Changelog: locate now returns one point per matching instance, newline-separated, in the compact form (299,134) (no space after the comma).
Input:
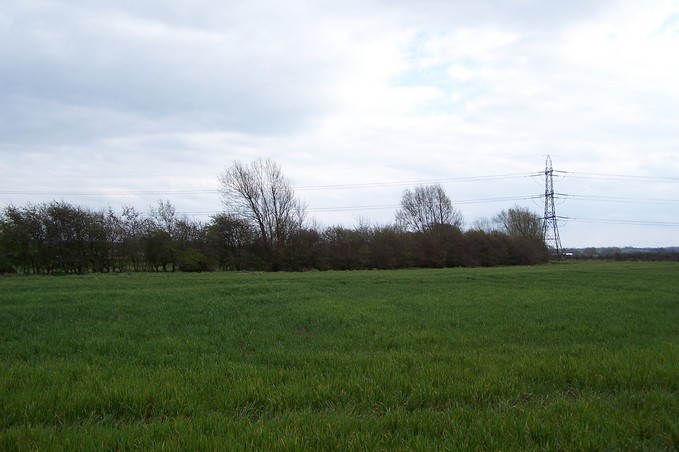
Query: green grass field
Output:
(570,356)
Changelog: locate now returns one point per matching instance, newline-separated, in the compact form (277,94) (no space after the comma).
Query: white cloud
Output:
(631,46)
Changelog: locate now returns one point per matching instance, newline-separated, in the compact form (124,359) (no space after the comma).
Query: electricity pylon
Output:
(550,228)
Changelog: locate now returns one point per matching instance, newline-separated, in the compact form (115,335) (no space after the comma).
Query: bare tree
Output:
(164,216)
(520,222)
(260,194)
(427,208)
(483,224)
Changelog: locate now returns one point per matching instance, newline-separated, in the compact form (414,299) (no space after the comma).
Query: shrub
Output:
(193,261)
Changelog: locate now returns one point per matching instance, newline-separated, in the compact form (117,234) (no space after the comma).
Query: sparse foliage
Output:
(520,222)
(425,208)
(260,194)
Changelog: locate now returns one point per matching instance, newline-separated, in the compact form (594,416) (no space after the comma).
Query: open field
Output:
(573,356)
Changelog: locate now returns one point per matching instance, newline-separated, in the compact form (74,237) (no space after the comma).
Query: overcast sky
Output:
(124,102)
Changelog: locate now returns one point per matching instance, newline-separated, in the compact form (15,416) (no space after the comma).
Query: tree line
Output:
(623,254)
(263,227)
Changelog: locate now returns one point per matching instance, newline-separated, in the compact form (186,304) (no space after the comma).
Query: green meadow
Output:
(562,356)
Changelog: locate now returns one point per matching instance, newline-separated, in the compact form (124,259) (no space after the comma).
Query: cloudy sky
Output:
(125,102)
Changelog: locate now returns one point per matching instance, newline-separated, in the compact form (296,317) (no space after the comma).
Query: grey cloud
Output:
(252,76)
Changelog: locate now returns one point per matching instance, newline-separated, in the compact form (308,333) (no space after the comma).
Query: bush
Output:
(194,261)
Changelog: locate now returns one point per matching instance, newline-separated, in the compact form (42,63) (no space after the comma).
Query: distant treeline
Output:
(624,254)
(58,238)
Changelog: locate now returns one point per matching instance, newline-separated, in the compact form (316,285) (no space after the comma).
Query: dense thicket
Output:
(58,237)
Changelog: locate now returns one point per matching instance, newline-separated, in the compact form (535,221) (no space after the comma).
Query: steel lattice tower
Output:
(550,228)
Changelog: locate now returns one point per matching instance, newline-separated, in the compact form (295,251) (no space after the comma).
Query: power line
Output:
(110,193)
(500,199)
(416,182)
(351,208)
(607,176)
(622,222)
(354,186)
(80,176)
(395,206)
(362,185)
(619,199)
(574,174)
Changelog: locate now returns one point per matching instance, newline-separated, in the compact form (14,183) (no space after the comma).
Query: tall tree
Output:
(260,194)
(426,208)
(520,222)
